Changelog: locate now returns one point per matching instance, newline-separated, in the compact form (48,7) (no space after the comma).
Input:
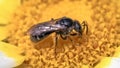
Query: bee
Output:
(62,26)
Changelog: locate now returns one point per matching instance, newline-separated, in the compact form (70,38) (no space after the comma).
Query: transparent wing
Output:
(42,30)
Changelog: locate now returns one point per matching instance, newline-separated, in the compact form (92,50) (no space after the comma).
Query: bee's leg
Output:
(64,37)
(73,44)
(56,41)
(84,23)
(52,19)
(85,26)
(74,34)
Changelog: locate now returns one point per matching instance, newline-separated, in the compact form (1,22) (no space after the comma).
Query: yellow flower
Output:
(117,53)
(98,44)
(10,55)
(6,9)
(109,62)
(3,33)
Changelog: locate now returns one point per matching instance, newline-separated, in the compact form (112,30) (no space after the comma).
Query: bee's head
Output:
(77,27)
(80,27)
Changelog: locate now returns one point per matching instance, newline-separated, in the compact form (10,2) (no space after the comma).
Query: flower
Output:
(100,42)
(10,55)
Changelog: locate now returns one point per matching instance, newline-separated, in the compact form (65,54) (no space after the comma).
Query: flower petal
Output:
(12,52)
(3,33)
(7,7)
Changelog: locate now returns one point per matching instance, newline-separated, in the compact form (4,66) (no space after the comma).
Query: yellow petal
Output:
(3,33)
(109,62)
(12,52)
(104,63)
(117,52)
(7,7)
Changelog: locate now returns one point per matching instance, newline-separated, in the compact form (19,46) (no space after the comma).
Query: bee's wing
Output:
(39,32)
(45,26)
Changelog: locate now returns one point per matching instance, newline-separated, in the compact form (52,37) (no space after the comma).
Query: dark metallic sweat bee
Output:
(62,26)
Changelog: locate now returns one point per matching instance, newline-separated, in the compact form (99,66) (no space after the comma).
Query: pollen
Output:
(102,17)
